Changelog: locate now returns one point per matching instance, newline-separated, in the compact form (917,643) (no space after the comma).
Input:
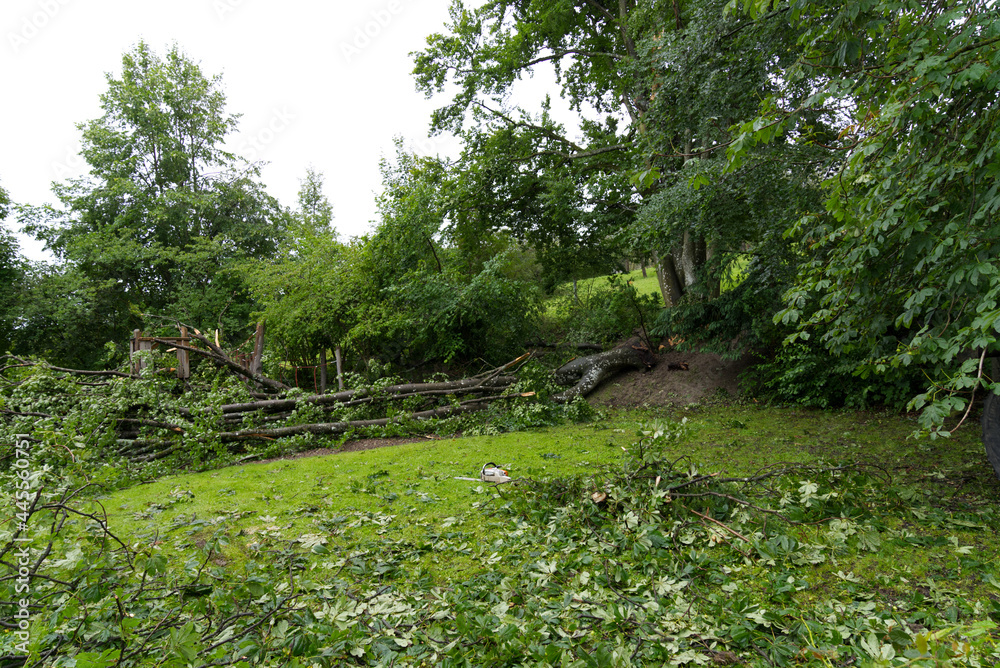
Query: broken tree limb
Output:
(149,449)
(447,387)
(219,357)
(321,428)
(78,372)
(590,371)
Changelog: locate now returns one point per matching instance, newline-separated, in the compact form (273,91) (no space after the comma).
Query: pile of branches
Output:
(470,394)
(146,433)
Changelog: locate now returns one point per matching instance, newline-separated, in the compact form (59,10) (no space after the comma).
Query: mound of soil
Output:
(678,379)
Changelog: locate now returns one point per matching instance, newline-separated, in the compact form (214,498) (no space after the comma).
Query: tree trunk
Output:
(589,372)
(671,286)
(690,259)
(257,363)
(322,371)
(338,353)
(991,422)
(716,288)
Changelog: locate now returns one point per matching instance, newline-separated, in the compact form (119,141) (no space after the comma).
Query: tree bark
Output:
(589,372)
(322,371)
(991,422)
(257,363)
(338,353)
(671,286)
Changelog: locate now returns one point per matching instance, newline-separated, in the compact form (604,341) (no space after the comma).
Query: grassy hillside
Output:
(644,286)
(747,536)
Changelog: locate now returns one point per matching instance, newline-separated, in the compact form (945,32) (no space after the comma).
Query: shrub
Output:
(604,312)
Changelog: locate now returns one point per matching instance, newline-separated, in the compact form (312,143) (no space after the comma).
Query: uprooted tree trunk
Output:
(590,371)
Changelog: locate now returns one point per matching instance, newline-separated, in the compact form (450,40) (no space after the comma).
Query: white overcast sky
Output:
(325,84)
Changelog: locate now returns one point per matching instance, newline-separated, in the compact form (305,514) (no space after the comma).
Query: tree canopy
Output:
(165,211)
(656,87)
(398,295)
(900,267)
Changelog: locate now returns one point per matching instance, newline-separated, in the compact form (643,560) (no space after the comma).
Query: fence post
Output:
(340,367)
(183,361)
(257,364)
(139,345)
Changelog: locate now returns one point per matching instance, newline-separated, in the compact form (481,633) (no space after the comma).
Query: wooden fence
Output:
(249,361)
(142,343)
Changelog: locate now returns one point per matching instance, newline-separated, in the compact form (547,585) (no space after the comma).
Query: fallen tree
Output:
(147,431)
(587,373)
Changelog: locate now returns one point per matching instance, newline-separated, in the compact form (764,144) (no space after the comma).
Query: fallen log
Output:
(586,373)
(321,428)
(465,385)
(144,450)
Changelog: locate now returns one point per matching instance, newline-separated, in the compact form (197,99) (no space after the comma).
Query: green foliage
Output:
(736,323)
(399,295)
(305,295)
(706,71)
(520,172)
(655,87)
(807,375)
(12,272)
(603,312)
(162,218)
(900,268)
(381,557)
(535,409)
(315,213)
(452,317)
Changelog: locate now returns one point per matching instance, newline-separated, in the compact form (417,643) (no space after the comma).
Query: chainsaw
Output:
(489,473)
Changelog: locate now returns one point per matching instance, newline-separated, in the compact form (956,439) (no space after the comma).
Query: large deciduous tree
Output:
(902,265)
(402,294)
(304,292)
(165,211)
(655,85)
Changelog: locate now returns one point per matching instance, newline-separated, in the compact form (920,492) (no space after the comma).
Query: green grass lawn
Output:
(643,285)
(763,536)
(409,489)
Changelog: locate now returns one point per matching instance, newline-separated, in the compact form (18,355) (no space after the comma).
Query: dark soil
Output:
(678,379)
